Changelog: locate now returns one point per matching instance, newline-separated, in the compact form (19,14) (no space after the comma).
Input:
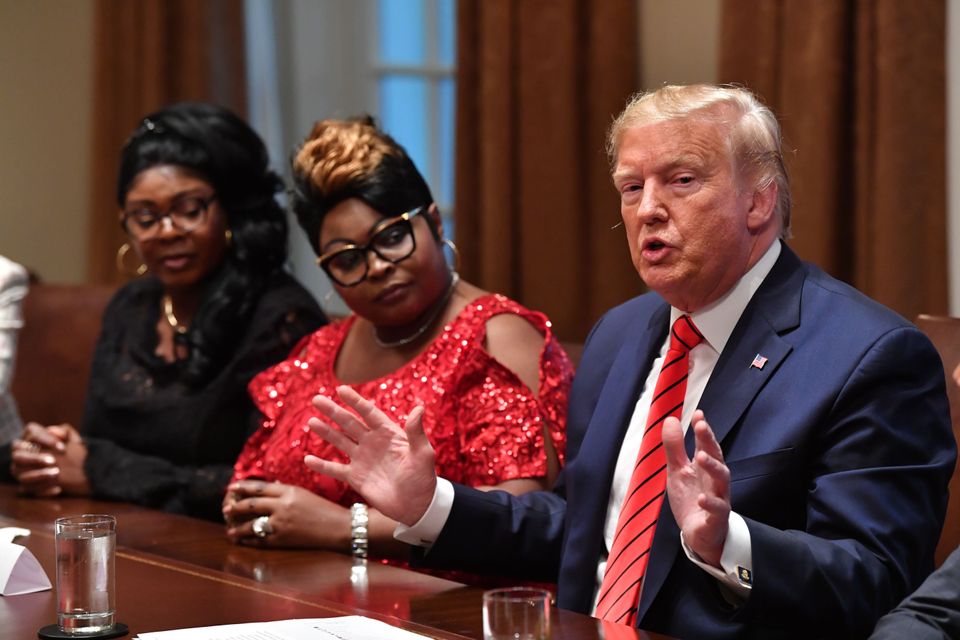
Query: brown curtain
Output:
(538,83)
(150,53)
(859,86)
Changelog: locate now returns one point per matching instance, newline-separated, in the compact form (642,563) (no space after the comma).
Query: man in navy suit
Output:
(805,462)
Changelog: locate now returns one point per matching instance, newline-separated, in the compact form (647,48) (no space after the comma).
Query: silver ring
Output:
(32,447)
(261,526)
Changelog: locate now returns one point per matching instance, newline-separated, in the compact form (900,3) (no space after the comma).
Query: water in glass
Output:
(85,574)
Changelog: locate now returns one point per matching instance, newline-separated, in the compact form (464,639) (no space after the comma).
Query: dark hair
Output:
(219,147)
(344,159)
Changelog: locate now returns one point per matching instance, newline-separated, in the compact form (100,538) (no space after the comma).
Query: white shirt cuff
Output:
(427,529)
(736,560)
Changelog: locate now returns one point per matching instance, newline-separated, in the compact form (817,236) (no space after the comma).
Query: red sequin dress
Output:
(484,423)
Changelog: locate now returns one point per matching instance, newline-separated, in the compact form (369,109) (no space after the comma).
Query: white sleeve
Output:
(426,530)
(736,560)
(13,288)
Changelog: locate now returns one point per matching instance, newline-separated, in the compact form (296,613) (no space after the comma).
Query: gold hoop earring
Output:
(228,235)
(456,252)
(121,261)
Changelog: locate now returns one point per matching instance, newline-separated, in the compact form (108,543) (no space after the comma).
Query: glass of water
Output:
(86,550)
(516,613)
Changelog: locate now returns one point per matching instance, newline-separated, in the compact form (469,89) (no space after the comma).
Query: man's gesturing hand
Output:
(698,489)
(392,468)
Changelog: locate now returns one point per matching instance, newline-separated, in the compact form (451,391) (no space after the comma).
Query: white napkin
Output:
(20,572)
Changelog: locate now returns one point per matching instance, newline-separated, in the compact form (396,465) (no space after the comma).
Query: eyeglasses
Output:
(185,214)
(392,240)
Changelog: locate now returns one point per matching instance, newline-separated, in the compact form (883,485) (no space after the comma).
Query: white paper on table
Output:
(344,628)
(20,572)
(9,534)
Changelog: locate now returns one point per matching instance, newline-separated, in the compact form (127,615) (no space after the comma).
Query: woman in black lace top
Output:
(167,409)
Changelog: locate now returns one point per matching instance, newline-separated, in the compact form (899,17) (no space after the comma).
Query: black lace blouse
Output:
(156,441)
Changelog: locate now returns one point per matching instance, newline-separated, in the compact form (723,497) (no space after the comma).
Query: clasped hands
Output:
(393,468)
(48,461)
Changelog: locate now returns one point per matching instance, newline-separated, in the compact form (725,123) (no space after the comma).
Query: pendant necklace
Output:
(179,329)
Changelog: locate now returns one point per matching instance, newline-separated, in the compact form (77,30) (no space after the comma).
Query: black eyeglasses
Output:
(186,214)
(392,240)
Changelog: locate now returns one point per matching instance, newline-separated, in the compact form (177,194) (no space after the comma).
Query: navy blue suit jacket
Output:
(840,450)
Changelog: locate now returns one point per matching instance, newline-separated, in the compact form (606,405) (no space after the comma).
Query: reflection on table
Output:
(175,572)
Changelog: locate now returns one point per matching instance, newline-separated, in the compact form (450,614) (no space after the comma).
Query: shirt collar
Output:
(716,321)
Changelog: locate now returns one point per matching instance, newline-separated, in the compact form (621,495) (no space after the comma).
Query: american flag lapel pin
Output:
(758,361)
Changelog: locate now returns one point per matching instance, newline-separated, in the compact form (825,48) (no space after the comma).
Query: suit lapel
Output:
(591,473)
(618,398)
(734,383)
(773,311)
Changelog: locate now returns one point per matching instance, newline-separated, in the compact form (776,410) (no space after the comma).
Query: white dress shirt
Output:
(716,322)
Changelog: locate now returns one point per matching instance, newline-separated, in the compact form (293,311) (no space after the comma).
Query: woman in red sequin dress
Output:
(490,375)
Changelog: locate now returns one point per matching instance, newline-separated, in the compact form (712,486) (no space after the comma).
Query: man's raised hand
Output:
(391,467)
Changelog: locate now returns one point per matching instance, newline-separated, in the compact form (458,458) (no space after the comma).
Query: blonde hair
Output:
(340,153)
(344,159)
(754,139)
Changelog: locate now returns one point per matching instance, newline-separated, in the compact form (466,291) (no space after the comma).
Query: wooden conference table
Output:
(176,572)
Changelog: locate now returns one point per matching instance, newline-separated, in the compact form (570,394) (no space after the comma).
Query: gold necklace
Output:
(172,319)
(441,305)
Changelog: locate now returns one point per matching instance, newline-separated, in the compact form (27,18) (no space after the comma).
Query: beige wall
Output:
(678,41)
(46,87)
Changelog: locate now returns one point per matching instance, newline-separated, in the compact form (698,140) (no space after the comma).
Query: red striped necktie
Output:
(630,552)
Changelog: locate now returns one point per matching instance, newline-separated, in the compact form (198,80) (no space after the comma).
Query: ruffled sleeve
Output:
(497,428)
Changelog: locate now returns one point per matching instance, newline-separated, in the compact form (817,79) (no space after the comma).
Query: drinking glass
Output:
(86,550)
(516,613)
